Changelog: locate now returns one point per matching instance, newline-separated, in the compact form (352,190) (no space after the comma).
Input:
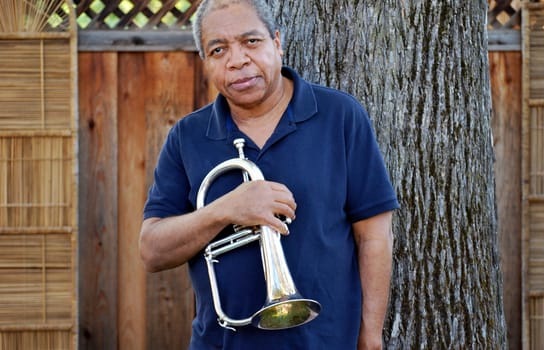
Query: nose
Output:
(238,57)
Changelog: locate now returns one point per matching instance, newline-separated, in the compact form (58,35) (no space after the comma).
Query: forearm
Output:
(375,269)
(167,243)
(170,242)
(374,242)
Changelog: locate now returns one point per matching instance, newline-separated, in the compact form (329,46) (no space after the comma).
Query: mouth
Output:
(243,83)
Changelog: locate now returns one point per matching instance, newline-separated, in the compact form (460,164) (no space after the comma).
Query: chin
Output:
(243,100)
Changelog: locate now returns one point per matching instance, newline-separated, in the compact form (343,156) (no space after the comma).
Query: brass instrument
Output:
(284,307)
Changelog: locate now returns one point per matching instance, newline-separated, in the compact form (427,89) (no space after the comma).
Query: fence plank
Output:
(126,40)
(170,86)
(505,68)
(132,194)
(98,283)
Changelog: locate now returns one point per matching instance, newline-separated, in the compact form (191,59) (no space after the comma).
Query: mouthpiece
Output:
(239,144)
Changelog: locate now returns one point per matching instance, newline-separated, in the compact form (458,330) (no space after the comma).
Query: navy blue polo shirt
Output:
(324,150)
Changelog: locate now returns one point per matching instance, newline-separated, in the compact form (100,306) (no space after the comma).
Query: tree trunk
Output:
(420,67)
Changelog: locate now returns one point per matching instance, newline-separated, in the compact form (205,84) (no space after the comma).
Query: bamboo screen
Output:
(38,187)
(35,84)
(536,308)
(533,174)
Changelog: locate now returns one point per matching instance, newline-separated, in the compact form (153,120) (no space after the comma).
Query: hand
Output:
(259,203)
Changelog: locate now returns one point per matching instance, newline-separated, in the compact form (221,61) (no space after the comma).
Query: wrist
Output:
(370,336)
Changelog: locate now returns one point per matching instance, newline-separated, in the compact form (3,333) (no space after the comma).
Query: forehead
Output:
(230,20)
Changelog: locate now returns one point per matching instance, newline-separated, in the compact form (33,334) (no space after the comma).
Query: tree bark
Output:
(420,67)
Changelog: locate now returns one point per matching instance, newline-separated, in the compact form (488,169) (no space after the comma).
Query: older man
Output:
(323,170)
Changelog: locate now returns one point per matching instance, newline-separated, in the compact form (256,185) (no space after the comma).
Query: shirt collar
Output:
(303,106)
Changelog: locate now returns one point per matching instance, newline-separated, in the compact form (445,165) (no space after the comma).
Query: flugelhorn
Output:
(284,307)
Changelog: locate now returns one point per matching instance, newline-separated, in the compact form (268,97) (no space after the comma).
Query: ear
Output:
(277,41)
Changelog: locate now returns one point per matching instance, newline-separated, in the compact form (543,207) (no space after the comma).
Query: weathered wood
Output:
(132,194)
(123,40)
(98,249)
(421,69)
(120,305)
(182,40)
(505,73)
(504,40)
(169,97)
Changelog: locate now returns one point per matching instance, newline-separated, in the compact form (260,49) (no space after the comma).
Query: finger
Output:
(278,187)
(284,196)
(284,212)
(279,226)
(278,196)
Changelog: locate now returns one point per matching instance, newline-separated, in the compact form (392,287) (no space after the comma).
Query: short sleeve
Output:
(168,195)
(370,191)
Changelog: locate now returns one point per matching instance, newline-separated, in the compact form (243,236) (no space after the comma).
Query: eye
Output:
(253,41)
(216,51)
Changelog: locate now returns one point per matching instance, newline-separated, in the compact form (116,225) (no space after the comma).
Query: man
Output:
(323,170)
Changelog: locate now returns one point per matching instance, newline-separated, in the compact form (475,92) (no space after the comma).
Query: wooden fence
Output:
(122,126)
(505,69)
(127,100)
(127,103)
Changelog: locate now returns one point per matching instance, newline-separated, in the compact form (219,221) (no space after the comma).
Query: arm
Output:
(374,245)
(170,242)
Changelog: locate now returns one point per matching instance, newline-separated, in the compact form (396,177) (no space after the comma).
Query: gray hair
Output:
(260,6)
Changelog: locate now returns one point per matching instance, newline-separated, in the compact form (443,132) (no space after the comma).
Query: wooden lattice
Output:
(176,14)
(504,14)
(135,14)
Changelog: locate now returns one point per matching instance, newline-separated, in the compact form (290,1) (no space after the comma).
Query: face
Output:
(241,59)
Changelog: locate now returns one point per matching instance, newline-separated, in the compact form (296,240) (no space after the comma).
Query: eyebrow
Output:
(250,33)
